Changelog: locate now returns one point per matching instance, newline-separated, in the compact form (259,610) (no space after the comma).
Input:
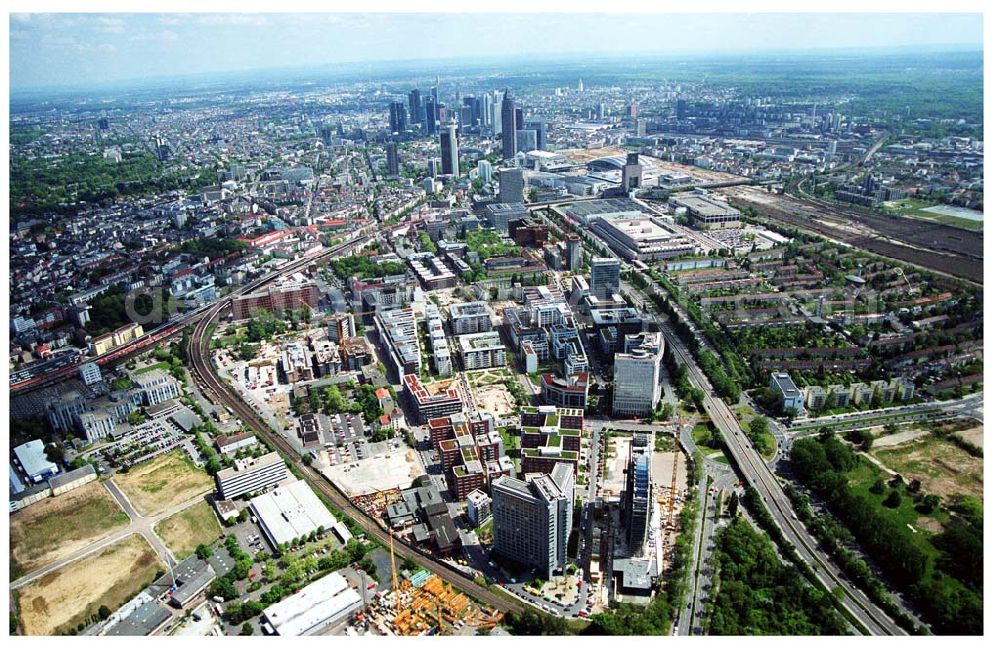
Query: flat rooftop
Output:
(290,511)
(322,602)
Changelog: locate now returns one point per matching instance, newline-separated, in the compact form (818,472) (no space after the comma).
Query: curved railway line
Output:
(214,389)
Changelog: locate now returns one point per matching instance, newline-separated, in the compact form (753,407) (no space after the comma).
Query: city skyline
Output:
(66,50)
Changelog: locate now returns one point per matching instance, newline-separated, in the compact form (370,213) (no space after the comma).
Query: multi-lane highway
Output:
(214,389)
(759,476)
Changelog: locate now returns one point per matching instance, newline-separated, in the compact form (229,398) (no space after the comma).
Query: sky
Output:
(49,49)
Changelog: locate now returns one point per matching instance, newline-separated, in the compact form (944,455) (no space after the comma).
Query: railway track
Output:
(214,389)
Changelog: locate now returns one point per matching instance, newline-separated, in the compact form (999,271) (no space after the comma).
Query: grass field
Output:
(942,467)
(164,366)
(56,527)
(185,530)
(861,479)
(64,598)
(745,415)
(163,482)
(915,209)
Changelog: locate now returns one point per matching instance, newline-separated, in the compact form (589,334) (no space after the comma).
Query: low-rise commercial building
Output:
(289,512)
(250,475)
(791,396)
(319,605)
(707,213)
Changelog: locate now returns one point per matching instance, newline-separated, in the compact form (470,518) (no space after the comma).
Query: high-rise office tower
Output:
(511,185)
(601,109)
(636,503)
(518,119)
(430,116)
(574,252)
(392,158)
(449,149)
(540,128)
(633,110)
(532,519)
(475,106)
(416,107)
(605,277)
(682,109)
(526,140)
(397,117)
(485,171)
(632,173)
(637,375)
(326,133)
(579,86)
(508,123)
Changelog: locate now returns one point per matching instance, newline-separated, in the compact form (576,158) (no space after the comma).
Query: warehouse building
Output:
(706,213)
(71,480)
(289,512)
(323,603)
(643,237)
(30,458)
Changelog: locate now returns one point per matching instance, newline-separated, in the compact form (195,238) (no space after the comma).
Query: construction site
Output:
(424,605)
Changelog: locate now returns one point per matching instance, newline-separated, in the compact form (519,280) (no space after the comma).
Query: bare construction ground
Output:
(396,468)
(185,530)
(618,447)
(495,399)
(49,530)
(663,469)
(899,438)
(163,483)
(942,467)
(64,598)
(974,436)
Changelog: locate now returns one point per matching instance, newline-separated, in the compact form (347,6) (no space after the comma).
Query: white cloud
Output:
(163,36)
(108,25)
(234,19)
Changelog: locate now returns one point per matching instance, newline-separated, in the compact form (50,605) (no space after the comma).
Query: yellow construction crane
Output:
(673,486)
(392,550)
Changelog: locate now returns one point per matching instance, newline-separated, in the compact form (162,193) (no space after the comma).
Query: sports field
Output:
(51,529)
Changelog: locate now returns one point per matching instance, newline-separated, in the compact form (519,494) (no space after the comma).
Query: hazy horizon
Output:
(68,51)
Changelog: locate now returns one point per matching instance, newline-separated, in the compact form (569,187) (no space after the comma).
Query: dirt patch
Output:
(900,438)
(663,469)
(163,483)
(930,524)
(77,590)
(495,399)
(942,468)
(54,528)
(974,436)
